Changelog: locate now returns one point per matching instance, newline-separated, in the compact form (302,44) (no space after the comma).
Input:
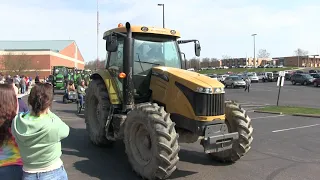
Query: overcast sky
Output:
(224,27)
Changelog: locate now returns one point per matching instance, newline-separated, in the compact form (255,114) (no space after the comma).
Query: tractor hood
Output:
(193,80)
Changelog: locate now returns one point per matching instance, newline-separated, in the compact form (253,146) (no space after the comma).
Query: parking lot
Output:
(284,147)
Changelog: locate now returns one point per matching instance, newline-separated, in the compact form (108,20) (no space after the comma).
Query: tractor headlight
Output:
(219,90)
(204,90)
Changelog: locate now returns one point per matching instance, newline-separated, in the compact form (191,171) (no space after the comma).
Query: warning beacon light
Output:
(120,25)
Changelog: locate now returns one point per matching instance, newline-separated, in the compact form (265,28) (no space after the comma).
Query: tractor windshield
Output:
(151,51)
(60,70)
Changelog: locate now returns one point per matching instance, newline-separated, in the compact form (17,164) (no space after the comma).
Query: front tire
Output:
(305,83)
(315,84)
(151,141)
(237,121)
(96,112)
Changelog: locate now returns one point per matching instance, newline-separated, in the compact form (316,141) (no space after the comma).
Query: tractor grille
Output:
(59,79)
(208,104)
(204,104)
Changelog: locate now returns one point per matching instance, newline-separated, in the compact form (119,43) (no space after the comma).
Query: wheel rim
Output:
(141,144)
(232,85)
(315,84)
(305,83)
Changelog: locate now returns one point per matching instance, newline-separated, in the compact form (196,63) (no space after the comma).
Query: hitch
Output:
(217,138)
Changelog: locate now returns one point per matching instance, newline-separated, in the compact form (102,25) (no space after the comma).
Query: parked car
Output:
(316,82)
(315,75)
(313,71)
(288,76)
(267,77)
(304,79)
(254,78)
(234,81)
(221,78)
(213,76)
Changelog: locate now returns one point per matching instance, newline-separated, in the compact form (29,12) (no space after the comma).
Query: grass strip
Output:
(291,110)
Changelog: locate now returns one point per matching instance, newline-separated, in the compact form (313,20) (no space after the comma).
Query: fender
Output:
(110,85)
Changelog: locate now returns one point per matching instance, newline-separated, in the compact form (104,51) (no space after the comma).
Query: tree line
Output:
(198,63)
(16,64)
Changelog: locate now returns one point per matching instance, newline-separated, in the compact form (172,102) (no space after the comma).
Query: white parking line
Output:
(263,117)
(253,105)
(301,127)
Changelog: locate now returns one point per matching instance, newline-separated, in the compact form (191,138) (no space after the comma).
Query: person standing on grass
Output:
(248,84)
(38,134)
(10,158)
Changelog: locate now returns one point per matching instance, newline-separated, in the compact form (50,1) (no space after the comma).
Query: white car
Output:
(221,78)
(253,78)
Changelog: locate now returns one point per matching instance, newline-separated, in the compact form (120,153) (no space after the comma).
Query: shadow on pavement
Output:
(195,157)
(112,163)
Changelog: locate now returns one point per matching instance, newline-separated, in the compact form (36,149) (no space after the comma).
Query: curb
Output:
(307,115)
(268,112)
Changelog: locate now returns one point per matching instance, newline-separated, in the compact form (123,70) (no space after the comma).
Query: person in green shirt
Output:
(38,134)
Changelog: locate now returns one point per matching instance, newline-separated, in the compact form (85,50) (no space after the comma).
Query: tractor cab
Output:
(142,49)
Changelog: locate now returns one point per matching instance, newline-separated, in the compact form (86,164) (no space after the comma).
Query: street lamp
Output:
(254,49)
(162,14)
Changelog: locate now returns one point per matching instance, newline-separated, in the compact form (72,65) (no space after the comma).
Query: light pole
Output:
(162,14)
(254,49)
(98,23)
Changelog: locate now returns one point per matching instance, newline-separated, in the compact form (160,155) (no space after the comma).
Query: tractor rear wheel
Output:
(237,121)
(96,112)
(151,141)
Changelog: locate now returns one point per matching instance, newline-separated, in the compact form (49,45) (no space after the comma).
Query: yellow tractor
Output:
(145,98)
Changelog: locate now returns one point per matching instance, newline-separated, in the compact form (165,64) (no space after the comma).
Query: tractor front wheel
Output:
(96,112)
(151,141)
(237,121)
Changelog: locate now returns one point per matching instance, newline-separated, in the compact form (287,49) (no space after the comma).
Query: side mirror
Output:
(197,48)
(111,43)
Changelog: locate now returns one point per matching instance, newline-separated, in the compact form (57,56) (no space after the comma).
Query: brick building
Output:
(299,61)
(38,57)
(238,62)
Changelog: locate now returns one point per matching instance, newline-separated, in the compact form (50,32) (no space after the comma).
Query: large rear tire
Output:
(151,141)
(96,112)
(237,121)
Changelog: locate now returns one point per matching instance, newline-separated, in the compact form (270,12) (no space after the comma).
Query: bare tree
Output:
(205,62)
(263,53)
(301,52)
(226,57)
(96,64)
(16,63)
(195,63)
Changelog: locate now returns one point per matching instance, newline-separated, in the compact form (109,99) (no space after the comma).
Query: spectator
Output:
(248,84)
(38,134)
(27,83)
(10,159)
(16,81)
(22,105)
(81,92)
(23,84)
(36,80)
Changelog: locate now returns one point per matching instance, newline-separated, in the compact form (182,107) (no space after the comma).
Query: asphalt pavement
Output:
(284,147)
(267,93)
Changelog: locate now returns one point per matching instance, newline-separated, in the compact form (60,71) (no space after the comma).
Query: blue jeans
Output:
(13,172)
(57,174)
(23,89)
(80,96)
